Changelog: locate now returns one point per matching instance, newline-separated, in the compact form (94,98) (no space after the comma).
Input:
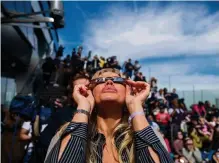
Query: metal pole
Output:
(169,83)
(202,95)
(149,73)
(193,94)
(21,14)
(29,25)
(6,90)
(28,20)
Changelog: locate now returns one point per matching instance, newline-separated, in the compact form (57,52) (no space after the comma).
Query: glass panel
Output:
(197,96)
(8,90)
(10,5)
(3,90)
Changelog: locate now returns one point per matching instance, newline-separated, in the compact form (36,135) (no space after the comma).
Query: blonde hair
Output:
(100,72)
(122,131)
(126,145)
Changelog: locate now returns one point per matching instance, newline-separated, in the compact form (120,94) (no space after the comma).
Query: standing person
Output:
(153,83)
(67,62)
(73,53)
(182,104)
(95,64)
(48,67)
(67,69)
(174,94)
(137,67)
(57,120)
(199,110)
(163,119)
(76,61)
(86,64)
(123,67)
(73,58)
(102,62)
(139,77)
(12,149)
(129,68)
(57,63)
(116,65)
(160,95)
(26,134)
(167,96)
(106,135)
(191,153)
(209,110)
(177,114)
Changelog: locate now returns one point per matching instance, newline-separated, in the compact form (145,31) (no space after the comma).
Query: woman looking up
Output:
(116,131)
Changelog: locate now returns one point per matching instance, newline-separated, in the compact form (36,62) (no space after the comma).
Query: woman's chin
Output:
(109,97)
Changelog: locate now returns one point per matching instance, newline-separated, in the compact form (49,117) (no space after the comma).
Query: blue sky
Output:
(176,41)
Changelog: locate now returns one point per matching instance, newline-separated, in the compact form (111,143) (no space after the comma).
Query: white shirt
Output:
(177,110)
(27,126)
(85,65)
(158,96)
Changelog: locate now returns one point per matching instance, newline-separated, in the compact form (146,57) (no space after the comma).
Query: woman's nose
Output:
(109,82)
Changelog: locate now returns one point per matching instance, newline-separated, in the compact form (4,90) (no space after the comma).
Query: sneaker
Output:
(55,85)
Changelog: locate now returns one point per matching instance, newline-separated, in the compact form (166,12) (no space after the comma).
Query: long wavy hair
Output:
(122,132)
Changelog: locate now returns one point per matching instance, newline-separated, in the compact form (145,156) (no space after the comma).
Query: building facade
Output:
(23,47)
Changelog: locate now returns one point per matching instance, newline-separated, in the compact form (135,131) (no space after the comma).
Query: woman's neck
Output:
(108,118)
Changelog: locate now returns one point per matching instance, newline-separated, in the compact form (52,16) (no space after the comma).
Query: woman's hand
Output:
(136,94)
(83,97)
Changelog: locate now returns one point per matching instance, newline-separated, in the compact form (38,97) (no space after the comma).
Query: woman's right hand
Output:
(83,97)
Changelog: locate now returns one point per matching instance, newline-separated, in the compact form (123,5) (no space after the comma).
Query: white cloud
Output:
(154,32)
(178,76)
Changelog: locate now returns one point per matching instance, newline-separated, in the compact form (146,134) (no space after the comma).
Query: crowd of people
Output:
(191,135)
(75,63)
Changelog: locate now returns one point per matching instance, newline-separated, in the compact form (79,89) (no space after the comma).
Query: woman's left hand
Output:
(136,94)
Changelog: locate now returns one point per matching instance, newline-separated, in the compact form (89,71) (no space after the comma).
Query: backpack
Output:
(23,106)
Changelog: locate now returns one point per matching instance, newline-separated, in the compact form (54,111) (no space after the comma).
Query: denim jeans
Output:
(27,157)
(207,155)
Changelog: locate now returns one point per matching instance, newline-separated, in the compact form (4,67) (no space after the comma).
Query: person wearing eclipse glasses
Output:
(109,124)
(191,153)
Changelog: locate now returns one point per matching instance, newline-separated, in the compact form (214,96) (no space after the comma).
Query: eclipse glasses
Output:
(101,80)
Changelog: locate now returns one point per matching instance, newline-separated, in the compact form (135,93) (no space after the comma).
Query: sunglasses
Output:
(189,144)
(118,80)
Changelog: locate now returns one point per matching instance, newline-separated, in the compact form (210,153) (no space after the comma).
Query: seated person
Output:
(203,129)
(192,153)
